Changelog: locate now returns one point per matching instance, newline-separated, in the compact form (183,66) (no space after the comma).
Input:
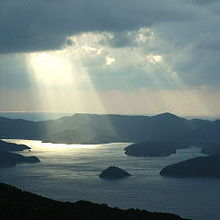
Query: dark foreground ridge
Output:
(114,173)
(197,167)
(19,205)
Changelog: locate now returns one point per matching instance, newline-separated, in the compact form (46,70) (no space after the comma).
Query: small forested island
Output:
(113,172)
(197,167)
(150,149)
(17,204)
(8,159)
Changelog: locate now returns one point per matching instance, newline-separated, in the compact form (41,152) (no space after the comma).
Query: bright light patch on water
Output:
(54,147)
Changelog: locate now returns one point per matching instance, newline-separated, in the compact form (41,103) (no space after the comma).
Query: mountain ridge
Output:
(106,128)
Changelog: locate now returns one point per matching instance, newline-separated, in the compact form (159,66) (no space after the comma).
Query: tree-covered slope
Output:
(19,205)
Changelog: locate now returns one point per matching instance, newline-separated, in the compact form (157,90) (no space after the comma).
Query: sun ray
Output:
(63,85)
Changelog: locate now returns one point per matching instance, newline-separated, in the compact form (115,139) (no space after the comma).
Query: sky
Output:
(121,57)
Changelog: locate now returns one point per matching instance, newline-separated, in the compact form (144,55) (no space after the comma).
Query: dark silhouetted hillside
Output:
(211,149)
(8,159)
(19,205)
(197,167)
(12,158)
(207,133)
(21,129)
(113,172)
(93,129)
(12,147)
(151,149)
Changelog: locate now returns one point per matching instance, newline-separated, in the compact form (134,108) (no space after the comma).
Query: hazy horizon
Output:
(38,116)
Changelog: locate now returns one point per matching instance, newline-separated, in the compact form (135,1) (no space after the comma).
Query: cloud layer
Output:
(29,25)
(113,47)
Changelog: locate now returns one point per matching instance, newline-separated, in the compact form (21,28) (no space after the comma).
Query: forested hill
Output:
(19,205)
(91,128)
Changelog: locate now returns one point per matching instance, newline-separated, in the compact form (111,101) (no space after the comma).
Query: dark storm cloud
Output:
(187,36)
(28,25)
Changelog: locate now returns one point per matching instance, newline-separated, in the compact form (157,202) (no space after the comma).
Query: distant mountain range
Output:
(94,129)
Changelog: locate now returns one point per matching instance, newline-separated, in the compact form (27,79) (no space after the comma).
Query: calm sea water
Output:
(70,173)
